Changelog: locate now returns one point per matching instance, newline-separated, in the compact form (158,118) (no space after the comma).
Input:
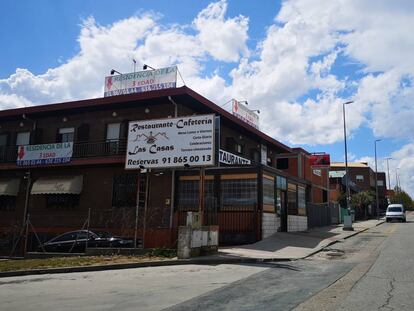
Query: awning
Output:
(337,174)
(58,185)
(9,186)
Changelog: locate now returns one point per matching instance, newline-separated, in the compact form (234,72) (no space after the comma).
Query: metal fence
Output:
(320,215)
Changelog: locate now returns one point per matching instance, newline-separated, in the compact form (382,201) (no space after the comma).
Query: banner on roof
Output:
(243,113)
(141,81)
(320,160)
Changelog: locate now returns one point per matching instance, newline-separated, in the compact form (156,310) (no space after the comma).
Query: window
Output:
(255,155)
(124,190)
(301,201)
(66,134)
(23,139)
(282,163)
(268,194)
(62,201)
(113,131)
(359,178)
(188,195)
(324,196)
(233,146)
(7,203)
(65,237)
(238,194)
(281,183)
(292,200)
(3,139)
(380,183)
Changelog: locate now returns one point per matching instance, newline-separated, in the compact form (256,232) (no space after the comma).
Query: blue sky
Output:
(295,60)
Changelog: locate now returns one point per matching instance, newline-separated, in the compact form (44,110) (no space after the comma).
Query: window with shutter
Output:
(66,134)
(113,131)
(23,139)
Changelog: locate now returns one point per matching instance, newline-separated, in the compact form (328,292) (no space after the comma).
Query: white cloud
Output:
(225,39)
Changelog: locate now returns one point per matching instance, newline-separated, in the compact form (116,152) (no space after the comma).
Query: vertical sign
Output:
(263,149)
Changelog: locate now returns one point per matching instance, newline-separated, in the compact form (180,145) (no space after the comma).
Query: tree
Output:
(361,200)
(403,198)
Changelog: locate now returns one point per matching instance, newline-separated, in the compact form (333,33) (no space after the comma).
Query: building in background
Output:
(361,178)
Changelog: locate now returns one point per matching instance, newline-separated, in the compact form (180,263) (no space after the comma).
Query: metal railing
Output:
(80,150)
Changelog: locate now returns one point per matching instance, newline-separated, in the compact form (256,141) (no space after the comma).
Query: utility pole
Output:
(376,180)
(388,170)
(347,226)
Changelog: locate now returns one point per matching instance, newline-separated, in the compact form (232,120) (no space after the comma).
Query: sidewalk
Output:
(296,245)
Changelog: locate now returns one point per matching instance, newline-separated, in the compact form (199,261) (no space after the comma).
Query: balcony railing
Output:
(80,150)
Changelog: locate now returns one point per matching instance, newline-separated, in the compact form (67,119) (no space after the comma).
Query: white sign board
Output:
(242,112)
(263,154)
(174,142)
(44,154)
(317,172)
(141,81)
(232,159)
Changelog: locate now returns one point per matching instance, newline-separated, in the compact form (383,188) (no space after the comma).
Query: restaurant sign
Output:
(44,154)
(173,142)
(232,159)
(141,81)
(243,113)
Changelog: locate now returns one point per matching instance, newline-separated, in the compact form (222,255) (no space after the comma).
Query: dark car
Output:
(75,241)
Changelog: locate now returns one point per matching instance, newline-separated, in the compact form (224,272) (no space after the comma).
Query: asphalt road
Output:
(369,271)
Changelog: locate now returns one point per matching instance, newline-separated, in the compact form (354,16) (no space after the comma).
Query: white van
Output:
(395,211)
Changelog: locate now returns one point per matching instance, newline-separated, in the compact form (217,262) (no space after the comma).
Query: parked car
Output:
(75,241)
(395,212)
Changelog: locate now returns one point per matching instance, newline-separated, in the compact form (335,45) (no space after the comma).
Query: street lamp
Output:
(376,180)
(348,194)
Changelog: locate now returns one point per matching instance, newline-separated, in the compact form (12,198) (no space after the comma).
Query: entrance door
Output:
(283,211)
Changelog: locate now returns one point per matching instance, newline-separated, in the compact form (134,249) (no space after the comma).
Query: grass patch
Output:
(65,262)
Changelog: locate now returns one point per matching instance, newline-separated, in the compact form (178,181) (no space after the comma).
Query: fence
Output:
(150,228)
(320,215)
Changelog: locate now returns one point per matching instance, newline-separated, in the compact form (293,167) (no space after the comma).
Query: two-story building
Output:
(90,188)
(361,178)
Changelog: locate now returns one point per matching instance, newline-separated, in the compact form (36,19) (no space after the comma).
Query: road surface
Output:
(370,271)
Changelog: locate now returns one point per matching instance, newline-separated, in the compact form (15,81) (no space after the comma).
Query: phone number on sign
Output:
(187,159)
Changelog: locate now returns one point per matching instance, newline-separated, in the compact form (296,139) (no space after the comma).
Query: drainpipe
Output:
(172,202)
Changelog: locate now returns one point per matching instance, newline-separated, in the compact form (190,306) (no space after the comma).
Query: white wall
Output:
(297,223)
(270,224)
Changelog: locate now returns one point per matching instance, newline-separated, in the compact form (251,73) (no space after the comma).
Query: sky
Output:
(297,61)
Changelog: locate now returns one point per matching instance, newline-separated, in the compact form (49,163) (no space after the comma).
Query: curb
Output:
(177,262)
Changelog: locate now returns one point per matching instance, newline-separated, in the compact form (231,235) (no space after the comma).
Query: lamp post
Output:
(348,194)
(376,180)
